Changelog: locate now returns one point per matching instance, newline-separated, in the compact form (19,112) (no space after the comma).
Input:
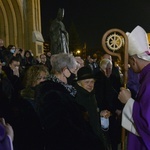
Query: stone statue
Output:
(58,35)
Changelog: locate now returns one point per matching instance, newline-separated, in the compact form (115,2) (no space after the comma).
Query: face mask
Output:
(104,123)
(12,51)
(71,78)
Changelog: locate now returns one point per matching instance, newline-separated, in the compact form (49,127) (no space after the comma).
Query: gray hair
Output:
(62,60)
(104,63)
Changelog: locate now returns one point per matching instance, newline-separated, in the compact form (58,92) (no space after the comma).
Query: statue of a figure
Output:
(58,35)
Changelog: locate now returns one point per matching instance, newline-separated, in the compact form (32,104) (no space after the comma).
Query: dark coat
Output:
(15,82)
(26,124)
(2,55)
(62,120)
(106,90)
(88,100)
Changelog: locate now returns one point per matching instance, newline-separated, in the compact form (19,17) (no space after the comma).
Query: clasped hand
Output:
(124,95)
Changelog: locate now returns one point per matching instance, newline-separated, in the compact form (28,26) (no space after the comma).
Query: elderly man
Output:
(107,98)
(136,112)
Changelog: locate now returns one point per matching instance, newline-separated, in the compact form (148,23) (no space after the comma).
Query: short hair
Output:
(42,55)
(10,46)
(13,58)
(104,63)
(62,60)
(107,56)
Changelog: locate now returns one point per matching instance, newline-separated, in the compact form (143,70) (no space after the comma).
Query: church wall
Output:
(20,24)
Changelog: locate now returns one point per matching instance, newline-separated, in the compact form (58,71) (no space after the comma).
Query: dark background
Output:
(93,18)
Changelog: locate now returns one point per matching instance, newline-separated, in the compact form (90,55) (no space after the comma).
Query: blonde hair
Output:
(32,74)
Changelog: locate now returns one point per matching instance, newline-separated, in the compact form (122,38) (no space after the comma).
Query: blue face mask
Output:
(12,51)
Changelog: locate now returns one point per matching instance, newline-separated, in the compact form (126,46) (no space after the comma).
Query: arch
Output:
(11,20)
(3,24)
(19,20)
(11,30)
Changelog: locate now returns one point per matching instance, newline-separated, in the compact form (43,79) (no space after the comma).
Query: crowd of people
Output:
(25,107)
(62,102)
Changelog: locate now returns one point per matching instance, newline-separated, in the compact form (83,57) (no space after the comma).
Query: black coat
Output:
(88,100)
(27,128)
(26,124)
(62,120)
(15,83)
(106,90)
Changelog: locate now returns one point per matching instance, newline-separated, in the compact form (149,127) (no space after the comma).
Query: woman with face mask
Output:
(60,115)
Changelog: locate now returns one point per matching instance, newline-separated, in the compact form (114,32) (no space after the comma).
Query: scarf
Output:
(68,87)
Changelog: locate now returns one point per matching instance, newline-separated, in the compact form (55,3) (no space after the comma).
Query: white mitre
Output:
(138,43)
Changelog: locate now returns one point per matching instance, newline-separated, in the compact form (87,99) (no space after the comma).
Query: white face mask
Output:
(104,122)
(12,50)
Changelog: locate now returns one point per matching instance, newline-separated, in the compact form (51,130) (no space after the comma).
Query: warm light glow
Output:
(148,35)
(78,52)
